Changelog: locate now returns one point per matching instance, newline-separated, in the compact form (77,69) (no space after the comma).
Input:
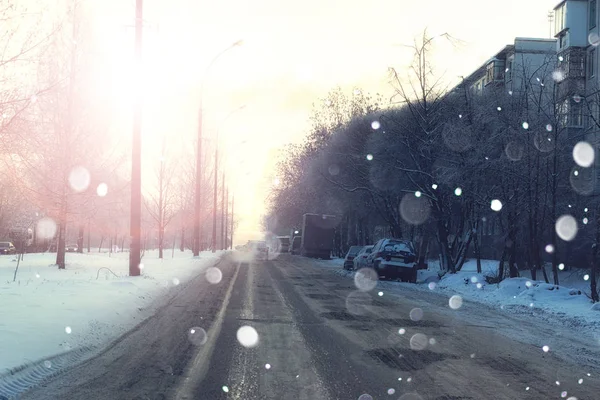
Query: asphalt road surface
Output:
(308,333)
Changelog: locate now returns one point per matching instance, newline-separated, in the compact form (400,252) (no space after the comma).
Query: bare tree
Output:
(162,202)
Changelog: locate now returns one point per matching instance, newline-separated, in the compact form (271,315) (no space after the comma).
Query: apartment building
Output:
(514,66)
(576,60)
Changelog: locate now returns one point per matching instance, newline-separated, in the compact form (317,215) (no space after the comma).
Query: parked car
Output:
(360,261)
(71,248)
(349,259)
(296,245)
(241,247)
(260,250)
(284,244)
(394,259)
(7,248)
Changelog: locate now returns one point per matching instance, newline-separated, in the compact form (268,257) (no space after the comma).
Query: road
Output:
(320,338)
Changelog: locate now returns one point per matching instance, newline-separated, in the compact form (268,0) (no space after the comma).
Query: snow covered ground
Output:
(568,302)
(46,312)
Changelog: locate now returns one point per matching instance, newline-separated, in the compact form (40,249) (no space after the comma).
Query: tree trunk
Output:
(512,268)
(348,231)
(446,263)
(88,238)
(464,250)
(62,229)
(182,244)
(100,245)
(545,274)
(593,282)
(110,246)
(501,265)
(423,247)
(173,250)
(477,248)
(595,249)
(554,196)
(161,238)
(396,230)
(80,238)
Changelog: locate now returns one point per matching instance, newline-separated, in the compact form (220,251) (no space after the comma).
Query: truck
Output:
(318,232)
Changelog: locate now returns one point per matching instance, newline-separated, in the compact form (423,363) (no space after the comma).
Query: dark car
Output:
(71,248)
(394,259)
(7,248)
(352,253)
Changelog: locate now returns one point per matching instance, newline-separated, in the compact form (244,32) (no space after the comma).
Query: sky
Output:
(293,54)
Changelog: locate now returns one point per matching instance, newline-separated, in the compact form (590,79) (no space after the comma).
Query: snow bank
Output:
(568,301)
(47,311)
(522,295)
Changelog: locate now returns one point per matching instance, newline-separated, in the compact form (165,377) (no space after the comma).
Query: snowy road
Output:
(320,338)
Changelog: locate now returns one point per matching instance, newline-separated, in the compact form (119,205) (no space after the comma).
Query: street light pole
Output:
(227,220)
(231,234)
(198,191)
(214,226)
(223,207)
(198,194)
(216,188)
(136,163)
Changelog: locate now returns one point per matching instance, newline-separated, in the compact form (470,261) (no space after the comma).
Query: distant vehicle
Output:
(394,259)
(296,245)
(318,232)
(349,259)
(21,237)
(7,248)
(71,248)
(284,244)
(360,261)
(259,249)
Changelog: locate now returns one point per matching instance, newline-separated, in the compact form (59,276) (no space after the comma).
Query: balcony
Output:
(571,62)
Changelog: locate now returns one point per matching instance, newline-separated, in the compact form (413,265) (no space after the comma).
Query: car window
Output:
(354,250)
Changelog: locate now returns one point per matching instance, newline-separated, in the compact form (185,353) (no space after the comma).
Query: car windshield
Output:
(354,250)
(398,247)
(220,168)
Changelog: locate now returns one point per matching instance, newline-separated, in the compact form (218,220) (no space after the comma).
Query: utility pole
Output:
(214,226)
(223,213)
(136,161)
(226,241)
(231,234)
(198,205)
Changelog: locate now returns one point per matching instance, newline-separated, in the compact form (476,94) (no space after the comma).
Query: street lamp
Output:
(198,194)
(214,227)
(136,155)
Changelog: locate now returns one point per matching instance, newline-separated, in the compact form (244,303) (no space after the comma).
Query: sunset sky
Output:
(293,53)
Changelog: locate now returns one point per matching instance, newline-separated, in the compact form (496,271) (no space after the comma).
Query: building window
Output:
(489,73)
(560,18)
(562,41)
(591,64)
(575,115)
(508,70)
(592,14)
